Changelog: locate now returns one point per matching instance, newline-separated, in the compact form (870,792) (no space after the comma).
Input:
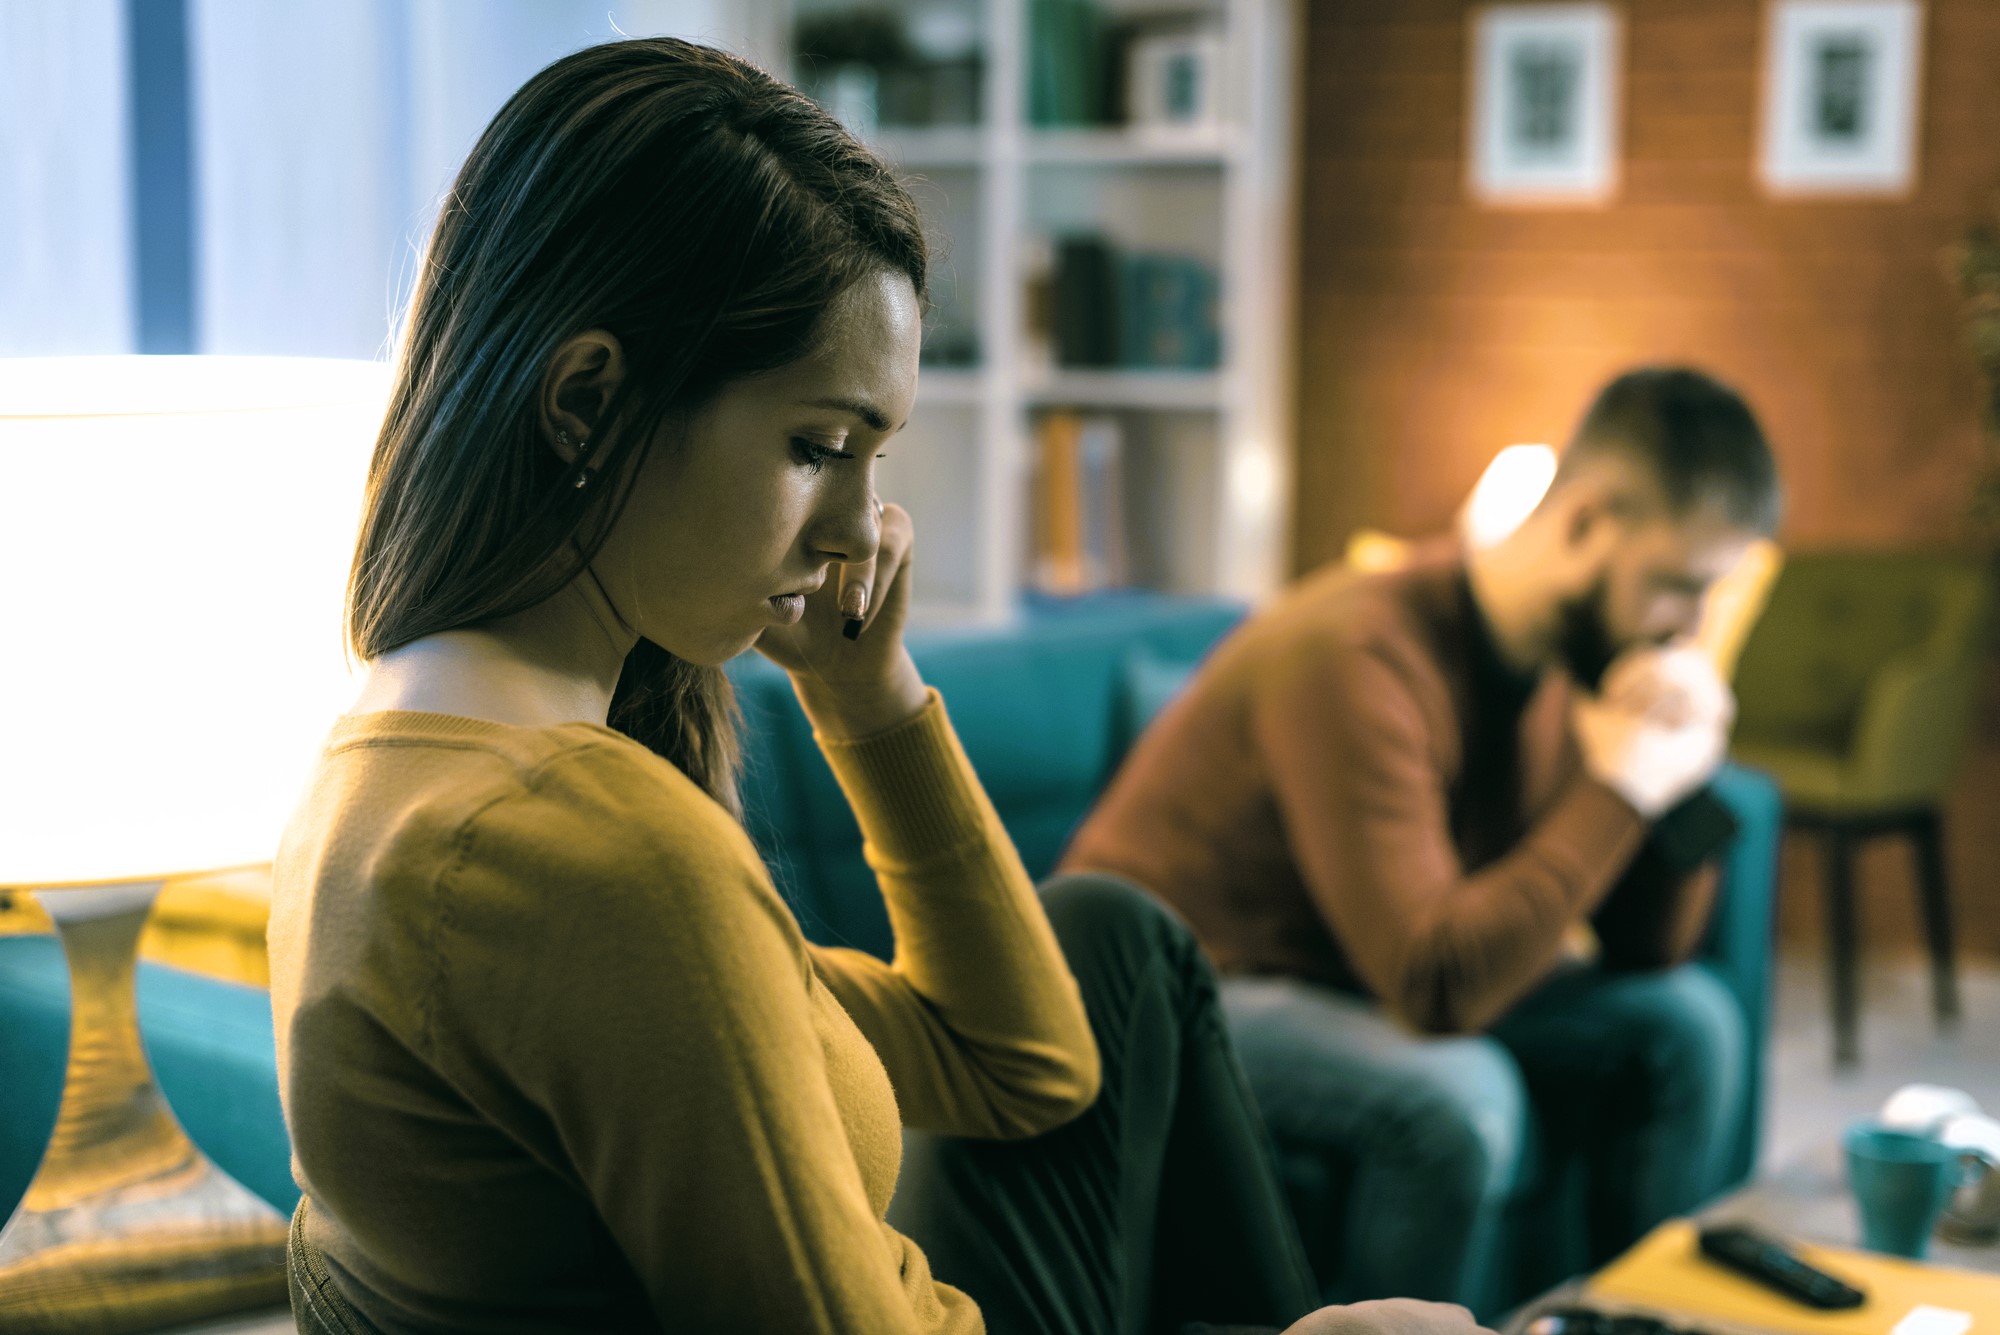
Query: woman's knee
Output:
(1123,945)
(1092,912)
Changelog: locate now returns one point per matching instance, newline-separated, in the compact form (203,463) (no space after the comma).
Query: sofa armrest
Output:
(1739,948)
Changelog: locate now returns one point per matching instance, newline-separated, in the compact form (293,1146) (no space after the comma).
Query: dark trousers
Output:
(1160,1207)
(1156,1210)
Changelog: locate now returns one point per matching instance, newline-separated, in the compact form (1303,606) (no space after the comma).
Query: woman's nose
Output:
(850,529)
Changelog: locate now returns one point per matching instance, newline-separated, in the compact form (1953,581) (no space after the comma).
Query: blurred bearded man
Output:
(1391,804)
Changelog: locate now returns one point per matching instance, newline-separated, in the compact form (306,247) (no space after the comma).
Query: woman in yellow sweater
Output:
(554,1054)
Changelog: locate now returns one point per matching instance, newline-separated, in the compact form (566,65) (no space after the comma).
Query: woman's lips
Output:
(789,607)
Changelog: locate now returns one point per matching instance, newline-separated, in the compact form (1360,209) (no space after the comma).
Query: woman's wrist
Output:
(848,709)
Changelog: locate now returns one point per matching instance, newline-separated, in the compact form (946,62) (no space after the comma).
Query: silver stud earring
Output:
(582,453)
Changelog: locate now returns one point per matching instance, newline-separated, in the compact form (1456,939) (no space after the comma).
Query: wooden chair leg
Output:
(1841,944)
(1934,890)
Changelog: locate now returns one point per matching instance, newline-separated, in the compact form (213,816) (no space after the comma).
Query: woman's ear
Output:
(581,379)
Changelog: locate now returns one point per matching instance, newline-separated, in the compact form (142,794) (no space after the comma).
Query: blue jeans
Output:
(1637,1074)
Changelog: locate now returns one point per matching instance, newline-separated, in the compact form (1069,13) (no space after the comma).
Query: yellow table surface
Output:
(1667,1273)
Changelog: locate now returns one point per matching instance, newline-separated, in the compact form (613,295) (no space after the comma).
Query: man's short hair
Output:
(1696,436)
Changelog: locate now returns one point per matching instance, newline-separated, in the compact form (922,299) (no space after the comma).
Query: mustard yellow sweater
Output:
(555,1056)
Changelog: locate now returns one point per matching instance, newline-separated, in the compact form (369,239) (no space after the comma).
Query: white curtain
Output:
(65,193)
(301,209)
(325,135)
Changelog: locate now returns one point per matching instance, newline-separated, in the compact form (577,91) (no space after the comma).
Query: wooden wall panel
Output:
(1434,331)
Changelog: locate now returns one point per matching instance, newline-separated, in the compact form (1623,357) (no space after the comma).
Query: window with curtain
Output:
(237,176)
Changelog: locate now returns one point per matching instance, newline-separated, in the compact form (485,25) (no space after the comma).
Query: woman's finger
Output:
(893,546)
(857,582)
(892,574)
(857,586)
(894,603)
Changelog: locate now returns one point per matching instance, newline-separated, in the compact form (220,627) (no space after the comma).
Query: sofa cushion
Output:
(1151,681)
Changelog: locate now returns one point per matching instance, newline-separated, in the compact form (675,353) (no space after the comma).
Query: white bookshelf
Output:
(1125,148)
(1161,390)
(1211,448)
(945,146)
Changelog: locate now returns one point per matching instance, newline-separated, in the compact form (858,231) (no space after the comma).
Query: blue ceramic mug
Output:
(1901,1182)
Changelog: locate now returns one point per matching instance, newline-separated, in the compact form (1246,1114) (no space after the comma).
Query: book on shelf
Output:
(872,68)
(1109,308)
(1084,290)
(1158,73)
(1101,464)
(1079,503)
(1169,309)
(1067,63)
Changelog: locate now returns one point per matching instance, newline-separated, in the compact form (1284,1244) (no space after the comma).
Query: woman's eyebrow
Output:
(861,408)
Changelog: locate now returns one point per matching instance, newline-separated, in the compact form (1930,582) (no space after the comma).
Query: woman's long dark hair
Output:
(686,202)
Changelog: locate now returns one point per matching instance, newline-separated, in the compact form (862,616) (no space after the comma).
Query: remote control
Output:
(1772,1264)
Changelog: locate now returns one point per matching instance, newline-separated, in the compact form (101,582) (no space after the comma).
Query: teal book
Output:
(1067,58)
(1169,316)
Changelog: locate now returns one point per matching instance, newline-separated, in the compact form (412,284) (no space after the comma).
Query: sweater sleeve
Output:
(977,1019)
(1363,798)
(671,1054)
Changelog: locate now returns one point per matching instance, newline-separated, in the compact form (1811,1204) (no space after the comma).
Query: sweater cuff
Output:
(912,788)
(1694,833)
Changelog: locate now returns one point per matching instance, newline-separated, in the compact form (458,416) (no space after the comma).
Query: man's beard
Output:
(1583,639)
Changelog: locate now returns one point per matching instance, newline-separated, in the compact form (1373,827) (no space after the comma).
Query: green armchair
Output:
(1856,692)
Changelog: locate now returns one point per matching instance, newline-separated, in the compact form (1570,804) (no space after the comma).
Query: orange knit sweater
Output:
(1354,790)
(555,1056)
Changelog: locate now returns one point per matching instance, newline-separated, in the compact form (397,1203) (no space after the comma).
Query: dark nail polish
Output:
(852,630)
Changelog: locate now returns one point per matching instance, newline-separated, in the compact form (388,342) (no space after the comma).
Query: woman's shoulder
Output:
(604,857)
(593,804)
(471,805)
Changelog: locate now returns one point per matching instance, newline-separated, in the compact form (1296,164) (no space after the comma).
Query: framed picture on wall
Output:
(1841,97)
(1545,88)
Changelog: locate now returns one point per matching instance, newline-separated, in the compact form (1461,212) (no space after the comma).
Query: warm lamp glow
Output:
(175,534)
(1508,492)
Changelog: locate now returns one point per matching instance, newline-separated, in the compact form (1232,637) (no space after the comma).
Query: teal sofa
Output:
(1046,710)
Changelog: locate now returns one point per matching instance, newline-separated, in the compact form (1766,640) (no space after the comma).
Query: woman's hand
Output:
(852,685)
(1389,1316)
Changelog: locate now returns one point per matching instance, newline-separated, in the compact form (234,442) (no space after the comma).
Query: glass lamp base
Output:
(126,1225)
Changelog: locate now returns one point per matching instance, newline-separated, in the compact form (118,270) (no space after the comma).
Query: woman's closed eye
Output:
(815,455)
